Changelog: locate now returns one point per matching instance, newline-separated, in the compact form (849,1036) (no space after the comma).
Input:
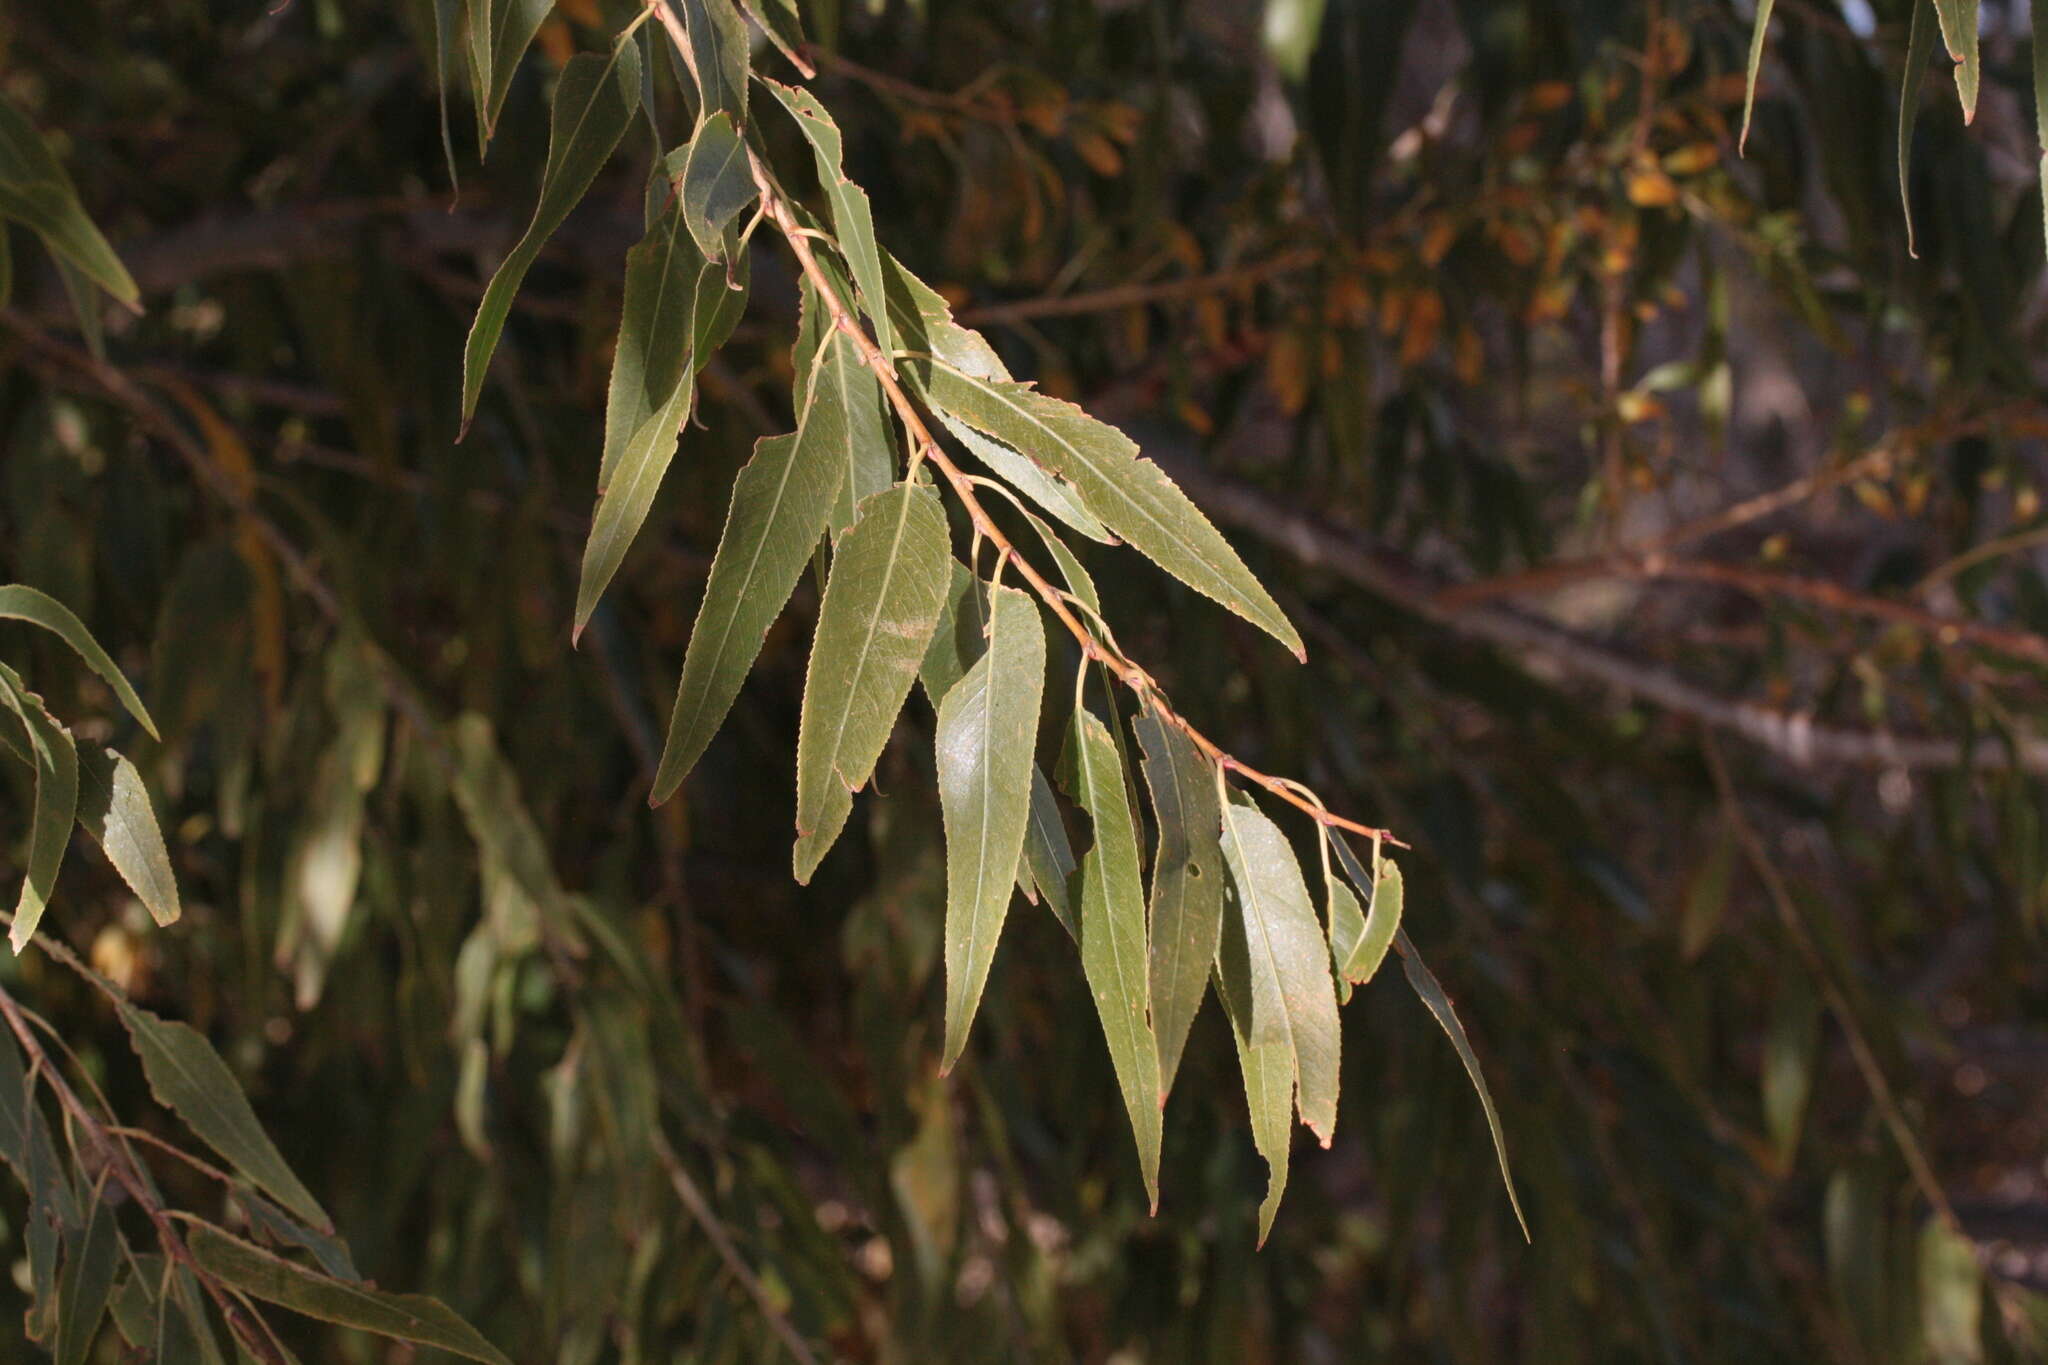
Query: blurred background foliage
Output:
(1668,542)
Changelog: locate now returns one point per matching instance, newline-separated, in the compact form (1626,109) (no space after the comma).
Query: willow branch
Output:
(925,447)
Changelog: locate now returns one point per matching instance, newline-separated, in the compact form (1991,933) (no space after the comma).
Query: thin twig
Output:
(1132,295)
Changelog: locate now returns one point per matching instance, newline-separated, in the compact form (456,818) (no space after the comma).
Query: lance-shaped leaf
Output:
(594,102)
(1757,34)
(1432,992)
(2040,43)
(881,605)
(56,803)
(500,31)
(866,449)
(988,727)
(717,55)
(1129,495)
(1293,1001)
(273,1279)
(1112,932)
(1919,47)
(784,27)
(716,185)
(852,220)
(622,508)
(1048,856)
(1268,1069)
(923,321)
(653,355)
(189,1078)
(85,1282)
(780,503)
(1023,473)
(114,808)
(1361,944)
(36,191)
(1187,882)
(1959,35)
(19,602)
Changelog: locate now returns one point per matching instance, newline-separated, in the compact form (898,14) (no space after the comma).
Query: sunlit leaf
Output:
(881,604)
(1131,496)
(717,56)
(1959,34)
(1360,953)
(1022,473)
(21,603)
(189,1078)
(852,219)
(780,502)
(1293,999)
(1187,882)
(56,803)
(36,191)
(987,730)
(273,1279)
(717,184)
(780,21)
(1112,932)
(864,447)
(85,1281)
(1432,992)
(115,809)
(1758,31)
(594,102)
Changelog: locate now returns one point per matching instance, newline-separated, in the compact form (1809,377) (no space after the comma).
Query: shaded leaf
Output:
(1359,954)
(1757,35)
(717,184)
(85,1282)
(780,502)
(654,351)
(1187,882)
(717,56)
(115,809)
(780,21)
(2039,14)
(1112,932)
(1048,856)
(21,603)
(594,102)
(1791,1050)
(1432,992)
(56,804)
(189,1078)
(36,191)
(1293,1001)
(987,730)
(500,31)
(881,605)
(1268,1069)
(273,1279)
(852,220)
(329,1250)
(1919,47)
(1131,496)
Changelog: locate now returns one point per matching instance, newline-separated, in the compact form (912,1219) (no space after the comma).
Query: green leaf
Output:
(1360,953)
(1432,992)
(780,502)
(1129,495)
(51,1203)
(1706,898)
(135,1305)
(717,56)
(85,1282)
(189,1078)
(1791,1050)
(56,804)
(988,728)
(85,304)
(960,638)
(784,27)
(864,447)
(594,103)
(717,184)
(1919,47)
(36,191)
(1959,35)
(273,1279)
(1756,60)
(21,603)
(1268,1069)
(852,219)
(115,809)
(1048,856)
(1293,1001)
(2039,14)
(1022,473)
(1187,882)
(500,31)
(653,356)
(1347,927)
(25,1141)
(329,1250)
(882,603)
(1113,932)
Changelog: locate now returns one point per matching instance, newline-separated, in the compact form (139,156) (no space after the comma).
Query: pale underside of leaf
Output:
(1187,883)
(987,730)
(1129,495)
(882,603)
(1023,473)
(1112,932)
(1293,999)
(114,808)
